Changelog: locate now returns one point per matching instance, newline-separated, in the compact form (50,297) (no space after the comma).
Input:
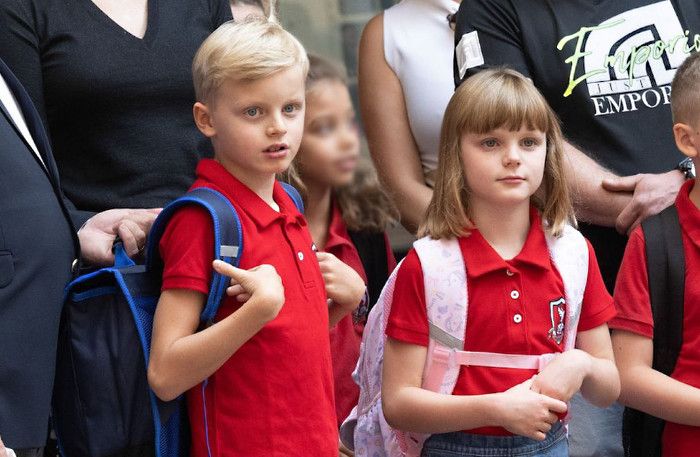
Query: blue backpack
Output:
(102,404)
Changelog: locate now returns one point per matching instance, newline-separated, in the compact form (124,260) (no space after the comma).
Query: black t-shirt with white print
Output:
(605,67)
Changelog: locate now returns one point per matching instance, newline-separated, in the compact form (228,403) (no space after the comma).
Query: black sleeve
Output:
(488,29)
(220,12)
(19,48)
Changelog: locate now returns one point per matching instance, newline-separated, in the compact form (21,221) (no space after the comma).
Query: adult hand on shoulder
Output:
(651,193)
(100,231)
(528,413)
(343,285)
(260,287)
(563,376)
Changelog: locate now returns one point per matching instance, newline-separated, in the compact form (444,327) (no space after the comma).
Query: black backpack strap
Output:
(372,248)
(228,239)
(666,279)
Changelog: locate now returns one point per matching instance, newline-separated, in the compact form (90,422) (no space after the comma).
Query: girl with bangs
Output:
(501,193)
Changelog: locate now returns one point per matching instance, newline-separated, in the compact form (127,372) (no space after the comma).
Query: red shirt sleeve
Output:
(597,307)
(408,319)
(187,250)
(632,290)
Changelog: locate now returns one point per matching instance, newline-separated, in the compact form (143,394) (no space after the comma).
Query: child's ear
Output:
(202,118)
(686,139)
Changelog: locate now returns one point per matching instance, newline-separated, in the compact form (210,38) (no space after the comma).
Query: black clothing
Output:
(118,108)
(37,248)
(622,121)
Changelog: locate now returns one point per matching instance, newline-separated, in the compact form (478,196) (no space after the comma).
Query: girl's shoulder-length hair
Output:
(491,99)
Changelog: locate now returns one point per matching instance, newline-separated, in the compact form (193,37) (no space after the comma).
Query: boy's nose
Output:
(277,127)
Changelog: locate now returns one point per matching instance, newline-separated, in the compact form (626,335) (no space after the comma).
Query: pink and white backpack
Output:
(365,430)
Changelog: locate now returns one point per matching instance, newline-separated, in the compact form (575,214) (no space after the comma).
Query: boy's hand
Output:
(343,285)
(98,233)
(563,376)
(260,287)
(528,413)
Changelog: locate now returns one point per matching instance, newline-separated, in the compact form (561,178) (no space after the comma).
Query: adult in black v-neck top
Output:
(118,108)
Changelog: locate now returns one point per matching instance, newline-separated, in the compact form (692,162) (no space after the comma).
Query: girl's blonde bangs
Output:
(503,101)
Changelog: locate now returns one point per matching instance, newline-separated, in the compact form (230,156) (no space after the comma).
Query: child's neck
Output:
(318,213)
(261,185)
(695,194)
(505,229)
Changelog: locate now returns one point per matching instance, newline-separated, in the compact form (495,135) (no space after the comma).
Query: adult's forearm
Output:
(591,201)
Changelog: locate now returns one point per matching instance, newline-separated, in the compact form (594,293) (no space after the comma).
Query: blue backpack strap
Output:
(228,239)
(294,195)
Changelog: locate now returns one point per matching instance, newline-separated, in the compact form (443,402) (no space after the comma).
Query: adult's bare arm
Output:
(391,143)
(603,198)
(592,202)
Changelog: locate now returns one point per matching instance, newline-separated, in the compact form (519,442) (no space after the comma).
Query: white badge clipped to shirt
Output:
(468,53)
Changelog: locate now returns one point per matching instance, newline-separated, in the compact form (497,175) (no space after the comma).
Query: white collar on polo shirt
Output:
(10,103)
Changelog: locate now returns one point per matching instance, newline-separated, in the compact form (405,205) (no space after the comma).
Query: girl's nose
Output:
(511,155)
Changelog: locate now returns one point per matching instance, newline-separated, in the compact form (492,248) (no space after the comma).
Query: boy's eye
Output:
(252,112)
(290,108)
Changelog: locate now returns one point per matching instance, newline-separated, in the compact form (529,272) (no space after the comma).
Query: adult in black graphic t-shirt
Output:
(605,67)
(116,98)
(578,53)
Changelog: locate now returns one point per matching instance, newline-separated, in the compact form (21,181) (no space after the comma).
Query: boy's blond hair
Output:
(492,99)
(245,51)
(685,92)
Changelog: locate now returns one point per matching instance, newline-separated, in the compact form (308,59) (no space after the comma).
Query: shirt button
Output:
(509,273)
(517,318)
(300,255)
(514,294)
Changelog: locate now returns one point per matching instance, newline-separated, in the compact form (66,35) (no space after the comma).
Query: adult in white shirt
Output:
(405,81)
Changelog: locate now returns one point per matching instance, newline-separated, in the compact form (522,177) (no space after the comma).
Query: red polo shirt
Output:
(634,312)
(508,308)
(346,336)
(274,396)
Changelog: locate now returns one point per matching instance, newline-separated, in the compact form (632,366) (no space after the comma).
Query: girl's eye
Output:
(490,143)
(530,142)
(325,128)
(252,112)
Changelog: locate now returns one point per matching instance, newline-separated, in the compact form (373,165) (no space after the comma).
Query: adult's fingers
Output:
(133,236)
(143,217)
(622,183)
(627,217)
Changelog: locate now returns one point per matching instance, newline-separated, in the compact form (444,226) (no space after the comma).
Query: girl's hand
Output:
(344,452)
(343,285)
(528,413)
(260,287)
(563,376)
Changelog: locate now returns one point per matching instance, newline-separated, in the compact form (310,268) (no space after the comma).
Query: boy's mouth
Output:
(277,147)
